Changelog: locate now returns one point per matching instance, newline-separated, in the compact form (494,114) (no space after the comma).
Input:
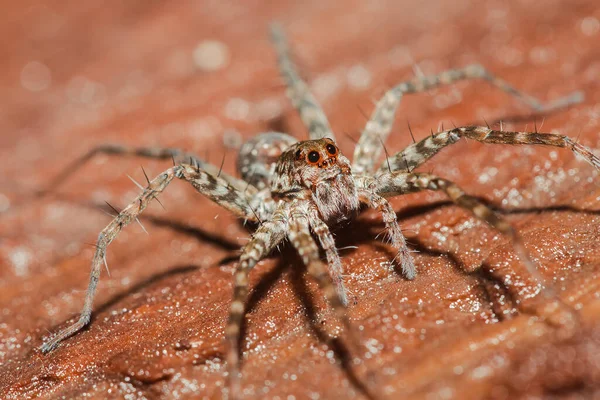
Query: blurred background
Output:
(201,76)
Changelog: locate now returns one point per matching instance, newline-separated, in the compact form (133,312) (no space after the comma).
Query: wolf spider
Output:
(297,189)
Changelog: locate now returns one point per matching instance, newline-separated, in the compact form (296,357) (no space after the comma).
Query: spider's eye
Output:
(331,149)
(313,157)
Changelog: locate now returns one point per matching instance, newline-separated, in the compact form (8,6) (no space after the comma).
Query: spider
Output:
(296,190)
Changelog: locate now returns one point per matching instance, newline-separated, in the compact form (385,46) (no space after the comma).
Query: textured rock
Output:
(141,73)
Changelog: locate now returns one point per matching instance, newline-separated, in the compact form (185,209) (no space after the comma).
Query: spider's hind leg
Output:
(553,310)
(157,153)
(308,107)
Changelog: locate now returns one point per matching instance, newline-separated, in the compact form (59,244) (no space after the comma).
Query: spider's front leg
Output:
(327,241)
(266,237)
(418,153)
(300,237)
(371,198)
(369,147)
(398,183)
(215,188)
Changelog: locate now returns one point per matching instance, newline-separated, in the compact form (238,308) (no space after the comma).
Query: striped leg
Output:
(334,262)
(301,239)
(217,189)
(417,153)
(157,153)
(266,237)
(396,183)
(369,147)
(397,239)
(310,110)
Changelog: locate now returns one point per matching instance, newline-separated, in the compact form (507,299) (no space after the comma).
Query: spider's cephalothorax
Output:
(293,190)
(317,171)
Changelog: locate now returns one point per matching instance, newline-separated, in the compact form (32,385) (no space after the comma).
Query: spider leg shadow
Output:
(149,281)
(173,271)
(290,260)
(179,227)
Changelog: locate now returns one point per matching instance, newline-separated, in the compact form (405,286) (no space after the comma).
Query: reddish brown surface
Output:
(125,74)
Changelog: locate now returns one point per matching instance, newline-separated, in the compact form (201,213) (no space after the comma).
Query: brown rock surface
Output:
(77,74)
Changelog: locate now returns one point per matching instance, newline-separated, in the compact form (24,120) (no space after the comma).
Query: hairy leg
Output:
(397,183)
(301,239)
(215,188)
(370,197)
(334,262)
(158,153)
(310,110)
(368,150)
(417,153)
(266,237)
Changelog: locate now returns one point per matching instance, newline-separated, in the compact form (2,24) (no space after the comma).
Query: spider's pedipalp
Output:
(368,150)
(309,109)
(418,153)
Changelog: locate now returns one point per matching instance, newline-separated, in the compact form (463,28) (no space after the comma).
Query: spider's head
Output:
(320,154)
(317,170)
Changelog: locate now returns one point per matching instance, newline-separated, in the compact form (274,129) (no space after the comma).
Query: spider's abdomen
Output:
(258,156)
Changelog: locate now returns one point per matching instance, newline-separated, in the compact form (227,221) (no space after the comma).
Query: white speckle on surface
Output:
(358,77)
(481,372)
(326,85)
(20,258)
(4,203)
(400,56)
(542,55)
(510,56)
(85,91)
(589,26)
(211,55)
(36,76)
(237,109)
